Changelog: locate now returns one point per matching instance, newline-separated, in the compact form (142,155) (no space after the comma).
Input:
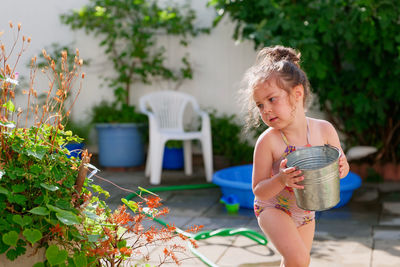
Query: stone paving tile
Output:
(215,247)
(363,214)
(386,253)
(246,252)
(391,208)
(191,203)
(346,252)
(366,194)
(388,186)
(219,210)
(389,220)
(253,224)
(386,233)
(344,229)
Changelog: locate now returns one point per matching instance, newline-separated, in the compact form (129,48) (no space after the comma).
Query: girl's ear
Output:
(299,92)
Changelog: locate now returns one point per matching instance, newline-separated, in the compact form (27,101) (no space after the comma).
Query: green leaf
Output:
(54,208)
(4,191)
(93,238)
(40,211)
(9,106)
(39,264)
(10,238)
(131,204)
(49,187)
(32,235)
(39,152)
(19,199)
(12,254)
(67,217)
(18,188)
(98,189)
(22,221)
(80,260)
(91,215)
(35,169)
(56,256)
(121,244)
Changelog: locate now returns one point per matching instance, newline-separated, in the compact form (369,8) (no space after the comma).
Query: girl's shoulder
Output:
(269,145)
(268,137)
(324,127)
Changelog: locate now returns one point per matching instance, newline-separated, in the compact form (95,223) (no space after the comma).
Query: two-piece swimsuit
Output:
(286,199)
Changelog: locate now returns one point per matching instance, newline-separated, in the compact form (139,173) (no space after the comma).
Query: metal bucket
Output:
(320,167)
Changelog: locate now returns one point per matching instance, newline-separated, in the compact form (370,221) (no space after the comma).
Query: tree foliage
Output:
(350,51)
(128,31)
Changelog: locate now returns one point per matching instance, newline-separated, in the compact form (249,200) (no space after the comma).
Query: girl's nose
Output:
(266,109)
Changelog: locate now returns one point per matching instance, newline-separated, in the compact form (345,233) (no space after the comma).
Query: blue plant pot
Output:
(120,144)
(75,149)
(173,158)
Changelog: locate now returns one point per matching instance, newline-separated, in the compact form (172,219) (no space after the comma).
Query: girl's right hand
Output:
(289,176)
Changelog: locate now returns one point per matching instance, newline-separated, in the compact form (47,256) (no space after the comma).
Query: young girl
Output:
(278,91)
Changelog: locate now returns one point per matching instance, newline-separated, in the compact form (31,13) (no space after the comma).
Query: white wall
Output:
(218,62)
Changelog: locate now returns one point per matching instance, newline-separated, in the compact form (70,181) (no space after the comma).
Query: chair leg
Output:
(157,152)
(187,151)
(148,162)
(207,157)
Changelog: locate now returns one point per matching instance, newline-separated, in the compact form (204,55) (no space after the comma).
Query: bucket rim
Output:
(314,148)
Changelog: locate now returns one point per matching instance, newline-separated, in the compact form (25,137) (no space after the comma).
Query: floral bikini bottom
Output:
(286,202)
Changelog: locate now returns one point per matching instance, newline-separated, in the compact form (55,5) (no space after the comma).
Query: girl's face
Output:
(274,105)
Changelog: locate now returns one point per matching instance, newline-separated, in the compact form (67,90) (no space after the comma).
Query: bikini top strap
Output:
(287,142)
(284,139)
(308,134)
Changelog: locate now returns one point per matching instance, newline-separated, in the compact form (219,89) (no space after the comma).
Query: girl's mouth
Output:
(273,119)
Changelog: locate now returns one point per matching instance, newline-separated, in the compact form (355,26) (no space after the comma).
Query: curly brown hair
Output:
(281,63)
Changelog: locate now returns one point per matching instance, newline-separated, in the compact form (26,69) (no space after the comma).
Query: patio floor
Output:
(365,232)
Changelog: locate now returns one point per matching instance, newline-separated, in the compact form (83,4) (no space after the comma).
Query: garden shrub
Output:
(350,51)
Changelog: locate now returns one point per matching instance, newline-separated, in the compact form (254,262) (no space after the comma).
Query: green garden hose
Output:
(249,233)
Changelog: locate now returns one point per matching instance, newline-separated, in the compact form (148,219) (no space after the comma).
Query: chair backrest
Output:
(168,107)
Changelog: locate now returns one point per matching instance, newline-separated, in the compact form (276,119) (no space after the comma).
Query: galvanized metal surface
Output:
(320,167)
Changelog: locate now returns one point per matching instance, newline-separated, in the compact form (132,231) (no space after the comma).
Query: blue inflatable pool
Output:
(237,181)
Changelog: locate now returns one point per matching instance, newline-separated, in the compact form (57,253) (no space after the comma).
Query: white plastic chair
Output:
(165,110)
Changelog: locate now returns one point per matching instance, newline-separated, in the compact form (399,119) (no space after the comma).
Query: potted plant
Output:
(81,129)
(229,147)
(48,206)
(173,155)
(128,32)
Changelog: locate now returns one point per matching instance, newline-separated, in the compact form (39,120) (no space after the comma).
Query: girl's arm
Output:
(265,186)
(332,138)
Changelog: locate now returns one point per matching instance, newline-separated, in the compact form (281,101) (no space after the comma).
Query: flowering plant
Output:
(46,201)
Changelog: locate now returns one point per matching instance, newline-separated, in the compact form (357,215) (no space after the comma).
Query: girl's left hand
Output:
(343,166)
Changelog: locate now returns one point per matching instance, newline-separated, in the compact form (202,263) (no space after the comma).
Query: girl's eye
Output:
(260,106)
(272,99)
